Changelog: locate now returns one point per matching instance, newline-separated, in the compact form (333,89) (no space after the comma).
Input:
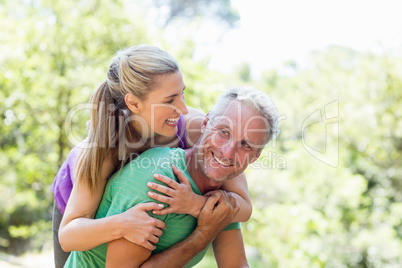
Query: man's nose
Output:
(229,149)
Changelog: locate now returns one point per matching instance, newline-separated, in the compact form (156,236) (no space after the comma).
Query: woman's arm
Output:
(238,188)
(214,216)
(79,231)
(194,120)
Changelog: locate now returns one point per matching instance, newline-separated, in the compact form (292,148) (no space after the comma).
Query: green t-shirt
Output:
(128,187)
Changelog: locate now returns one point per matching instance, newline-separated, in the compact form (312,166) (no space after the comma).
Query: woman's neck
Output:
(142,145)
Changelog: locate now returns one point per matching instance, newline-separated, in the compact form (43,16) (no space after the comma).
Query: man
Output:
(233,135)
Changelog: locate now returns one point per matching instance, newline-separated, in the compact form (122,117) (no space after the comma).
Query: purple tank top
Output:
(63,183)
(181,132)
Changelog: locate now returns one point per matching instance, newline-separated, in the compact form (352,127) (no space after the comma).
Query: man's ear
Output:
(254,158)
(133,103)
(204,124)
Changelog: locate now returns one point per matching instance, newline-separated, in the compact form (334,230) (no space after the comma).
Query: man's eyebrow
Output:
(221,124)
(249,142)
(174,95)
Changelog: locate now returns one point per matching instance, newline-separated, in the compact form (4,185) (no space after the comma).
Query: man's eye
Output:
(246,145)
(224,132)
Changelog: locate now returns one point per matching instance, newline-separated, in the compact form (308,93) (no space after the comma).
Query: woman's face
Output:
(161,109)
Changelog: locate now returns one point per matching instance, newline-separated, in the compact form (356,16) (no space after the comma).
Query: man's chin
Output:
(219,179)
(215,184)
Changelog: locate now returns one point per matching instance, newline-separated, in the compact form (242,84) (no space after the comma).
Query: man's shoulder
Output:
(158,152)
(154,160)
(158,157)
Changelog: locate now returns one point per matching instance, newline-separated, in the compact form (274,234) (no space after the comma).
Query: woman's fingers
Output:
(150,206)
(179,196)
(148,245)
(166,180)
(182,178)
(160,198)
(164,211)
(160,188)
(158,232)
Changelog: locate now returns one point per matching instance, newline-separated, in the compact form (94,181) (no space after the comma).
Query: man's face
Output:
(231,141)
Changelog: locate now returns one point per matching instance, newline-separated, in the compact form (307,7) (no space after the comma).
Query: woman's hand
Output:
(179,196)
(140,228)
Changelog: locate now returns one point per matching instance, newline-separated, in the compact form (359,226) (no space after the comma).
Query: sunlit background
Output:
(326,193)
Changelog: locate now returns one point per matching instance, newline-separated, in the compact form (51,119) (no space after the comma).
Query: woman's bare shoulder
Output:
(194,112)
(194,120)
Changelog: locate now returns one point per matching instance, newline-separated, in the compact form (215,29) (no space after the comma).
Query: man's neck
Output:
(203,183)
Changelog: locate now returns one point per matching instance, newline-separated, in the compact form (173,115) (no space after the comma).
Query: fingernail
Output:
(160,205)
(149,183)
(156,175)
(150,193)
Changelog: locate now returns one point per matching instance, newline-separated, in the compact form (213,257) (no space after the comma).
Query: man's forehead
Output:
(235,113)
(231,106)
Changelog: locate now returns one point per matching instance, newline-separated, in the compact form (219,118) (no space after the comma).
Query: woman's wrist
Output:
(199,203)
(116,225)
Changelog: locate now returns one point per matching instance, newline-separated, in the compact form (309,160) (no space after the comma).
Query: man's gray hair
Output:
(259,101)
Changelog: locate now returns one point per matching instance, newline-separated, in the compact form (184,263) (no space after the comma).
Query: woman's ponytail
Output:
(102,137)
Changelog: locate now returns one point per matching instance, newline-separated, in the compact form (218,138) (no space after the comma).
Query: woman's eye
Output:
(170,101)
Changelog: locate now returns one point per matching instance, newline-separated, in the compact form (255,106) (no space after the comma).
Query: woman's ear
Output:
(133,103)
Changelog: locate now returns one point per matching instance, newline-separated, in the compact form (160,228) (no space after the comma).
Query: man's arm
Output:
(215,216)
(229,250)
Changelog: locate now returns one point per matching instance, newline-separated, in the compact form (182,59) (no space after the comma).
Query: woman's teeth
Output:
(172,121)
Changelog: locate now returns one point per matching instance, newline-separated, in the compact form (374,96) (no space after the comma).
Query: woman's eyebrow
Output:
(174,95)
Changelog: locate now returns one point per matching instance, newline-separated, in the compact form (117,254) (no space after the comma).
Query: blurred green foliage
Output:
(328,194)
(344,213)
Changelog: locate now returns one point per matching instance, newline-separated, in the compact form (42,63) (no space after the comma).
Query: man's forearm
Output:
(216,214)
(181,253)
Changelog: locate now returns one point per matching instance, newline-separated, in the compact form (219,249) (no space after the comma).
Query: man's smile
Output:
(221,162)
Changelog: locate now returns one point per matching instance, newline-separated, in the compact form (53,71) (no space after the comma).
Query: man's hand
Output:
(217,213)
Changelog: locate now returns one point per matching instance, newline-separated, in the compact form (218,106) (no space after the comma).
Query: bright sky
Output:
(271,32)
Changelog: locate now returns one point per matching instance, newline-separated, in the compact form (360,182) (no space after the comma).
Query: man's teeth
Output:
(172,120)
(221,162)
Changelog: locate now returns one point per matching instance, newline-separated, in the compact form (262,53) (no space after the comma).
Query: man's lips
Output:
(220,161)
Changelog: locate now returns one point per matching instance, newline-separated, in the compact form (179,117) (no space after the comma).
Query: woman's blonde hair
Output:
(133,70)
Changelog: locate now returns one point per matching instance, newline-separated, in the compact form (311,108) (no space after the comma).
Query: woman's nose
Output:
(182,108)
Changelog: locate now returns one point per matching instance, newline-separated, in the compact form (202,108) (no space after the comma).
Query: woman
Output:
(139,106)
